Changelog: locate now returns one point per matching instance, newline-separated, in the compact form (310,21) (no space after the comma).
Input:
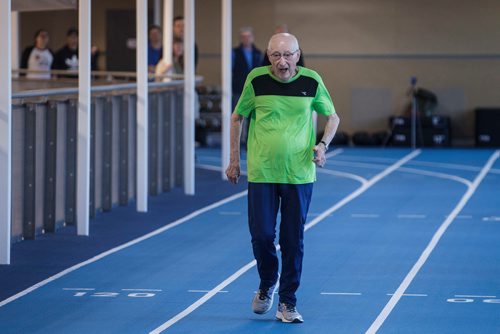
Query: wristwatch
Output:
(326,146)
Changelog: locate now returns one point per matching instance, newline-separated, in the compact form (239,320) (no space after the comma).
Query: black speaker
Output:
(488,127)
(401,137)
(426,137)
(435,122)
(435,137)
(432,131)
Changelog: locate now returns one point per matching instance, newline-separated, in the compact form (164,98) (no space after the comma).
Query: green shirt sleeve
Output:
(246,103)
(322,102)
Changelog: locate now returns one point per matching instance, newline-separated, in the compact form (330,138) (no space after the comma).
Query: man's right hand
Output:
(233,172)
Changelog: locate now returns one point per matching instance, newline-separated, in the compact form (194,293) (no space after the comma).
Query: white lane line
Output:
(421,163)
(145,290)
(251,264)
(363,188)
(126,245)
(411,216)
(205,298)
(205,291)
(474,296)
(358,164)
(375,326)
(447,165)
(353,160)
(406,170)
(334,153)
(313,214)
(365,215)
(355,177)
(341,293)
(410,294)
(368,159)
(436,174)
(491,219)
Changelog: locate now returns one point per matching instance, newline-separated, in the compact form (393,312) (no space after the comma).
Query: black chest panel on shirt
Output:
(303,86)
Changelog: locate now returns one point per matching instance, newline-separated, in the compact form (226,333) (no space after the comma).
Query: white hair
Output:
(246,29)
(284,38)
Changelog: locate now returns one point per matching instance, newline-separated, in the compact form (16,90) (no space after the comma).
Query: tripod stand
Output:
(408,126)
(413,82)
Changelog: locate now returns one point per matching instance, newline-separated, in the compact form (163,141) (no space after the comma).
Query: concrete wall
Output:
(366,51)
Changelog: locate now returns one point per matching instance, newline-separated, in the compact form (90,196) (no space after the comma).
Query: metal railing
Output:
(109,76)
(44,151)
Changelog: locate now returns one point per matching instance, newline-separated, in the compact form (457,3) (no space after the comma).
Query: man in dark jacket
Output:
(66,58)
(245,58)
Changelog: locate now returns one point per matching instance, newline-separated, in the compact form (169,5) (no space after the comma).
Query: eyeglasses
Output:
(275,56)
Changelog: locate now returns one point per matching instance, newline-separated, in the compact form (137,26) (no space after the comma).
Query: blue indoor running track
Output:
(397,241)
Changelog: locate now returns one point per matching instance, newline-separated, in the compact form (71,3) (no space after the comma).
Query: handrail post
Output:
(189,97)
(226,83)
(142,107)
(5,131)
(83,148)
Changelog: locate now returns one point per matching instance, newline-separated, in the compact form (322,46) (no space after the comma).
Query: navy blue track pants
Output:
(264,201)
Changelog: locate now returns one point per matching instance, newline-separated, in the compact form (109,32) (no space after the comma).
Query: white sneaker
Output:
(263,300)
(288,313)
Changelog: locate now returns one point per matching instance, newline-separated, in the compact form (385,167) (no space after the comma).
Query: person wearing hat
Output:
(66,58)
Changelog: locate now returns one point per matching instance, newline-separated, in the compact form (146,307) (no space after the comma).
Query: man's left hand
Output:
(319,155)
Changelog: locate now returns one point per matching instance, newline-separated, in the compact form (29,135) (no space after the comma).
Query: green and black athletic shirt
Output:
(281,136)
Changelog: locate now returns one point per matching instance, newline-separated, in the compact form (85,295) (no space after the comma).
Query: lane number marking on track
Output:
(130,293)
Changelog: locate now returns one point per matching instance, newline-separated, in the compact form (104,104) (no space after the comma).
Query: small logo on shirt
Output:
(304,93)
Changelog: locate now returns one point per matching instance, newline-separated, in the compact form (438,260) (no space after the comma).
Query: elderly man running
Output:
(282,156)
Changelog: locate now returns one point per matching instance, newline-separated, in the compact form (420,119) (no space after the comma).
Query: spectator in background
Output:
(155,47)
(176,68)
(38,57)
(178,30)
(281,29)
(245,57)
(66,58)
(177,65)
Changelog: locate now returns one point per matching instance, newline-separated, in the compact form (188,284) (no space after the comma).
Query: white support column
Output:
(157,12)
(168,19)
(189,96)
(84,114)
(226,83)
(142,106)
(15,41)
(5,132)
